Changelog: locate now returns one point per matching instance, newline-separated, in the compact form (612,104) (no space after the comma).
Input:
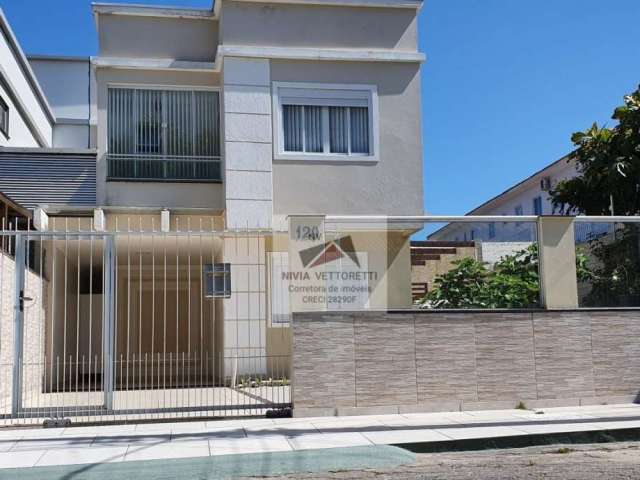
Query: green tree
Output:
(608,182)
(608,167)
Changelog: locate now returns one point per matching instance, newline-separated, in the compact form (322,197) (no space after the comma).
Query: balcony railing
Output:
(163,168)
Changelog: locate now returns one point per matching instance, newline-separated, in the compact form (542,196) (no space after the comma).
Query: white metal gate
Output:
(112,326)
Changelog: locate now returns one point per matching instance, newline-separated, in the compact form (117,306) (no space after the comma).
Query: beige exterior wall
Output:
(315,26)
(129,36)
(390,186)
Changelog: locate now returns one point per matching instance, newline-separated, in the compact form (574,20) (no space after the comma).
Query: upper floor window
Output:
(161,135)
(325,122)
(518,210)
(537,206)
(492,230)
(4,117)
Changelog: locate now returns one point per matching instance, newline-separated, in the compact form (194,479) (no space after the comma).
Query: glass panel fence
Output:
(608,264)
(364,264)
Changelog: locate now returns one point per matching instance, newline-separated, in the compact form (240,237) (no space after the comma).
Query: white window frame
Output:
(337,95)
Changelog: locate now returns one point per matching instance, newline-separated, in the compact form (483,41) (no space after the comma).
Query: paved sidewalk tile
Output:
(100,430)
(230,446)
(209,434)
(290,430)
(168,450)
(328,440)
(405,436)
(419,421)
(125,440)
(52,443)
(171,427)
(6,445)
(20,459)
(239,423)
(76,456)
(17,433)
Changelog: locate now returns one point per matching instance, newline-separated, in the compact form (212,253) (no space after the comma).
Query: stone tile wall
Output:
(375,362)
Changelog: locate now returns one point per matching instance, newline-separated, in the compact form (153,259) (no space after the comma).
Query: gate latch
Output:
(22,298)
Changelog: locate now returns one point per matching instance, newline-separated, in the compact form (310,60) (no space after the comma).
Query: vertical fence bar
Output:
(108,306)
(18,325)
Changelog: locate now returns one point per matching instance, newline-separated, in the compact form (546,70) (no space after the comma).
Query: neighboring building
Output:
(45,154)
(229,120)
(529,197)
(67,86)
(26,118)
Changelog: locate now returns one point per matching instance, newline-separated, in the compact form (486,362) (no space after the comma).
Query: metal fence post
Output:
(18,326)
(108,309)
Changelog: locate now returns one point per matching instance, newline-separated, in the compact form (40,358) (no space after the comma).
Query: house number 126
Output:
(306,233)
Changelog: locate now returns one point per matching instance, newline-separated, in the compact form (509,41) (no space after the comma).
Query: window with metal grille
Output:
(325,121)
(217,280)
(163,135)
(4,117)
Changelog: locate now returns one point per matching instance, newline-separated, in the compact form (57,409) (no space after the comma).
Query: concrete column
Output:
(557,251)
(165,221)
(247,142)
(40,220)
(307,259)
(99,223)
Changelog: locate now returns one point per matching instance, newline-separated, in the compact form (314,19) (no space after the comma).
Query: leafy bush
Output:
(513,283)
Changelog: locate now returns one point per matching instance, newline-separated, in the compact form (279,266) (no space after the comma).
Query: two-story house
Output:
(196,134)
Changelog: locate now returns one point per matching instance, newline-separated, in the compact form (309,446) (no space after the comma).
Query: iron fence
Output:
(118,326)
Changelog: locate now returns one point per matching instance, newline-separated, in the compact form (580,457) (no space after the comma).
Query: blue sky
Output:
(505,84)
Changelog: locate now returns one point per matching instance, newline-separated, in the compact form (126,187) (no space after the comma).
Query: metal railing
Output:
(163,168)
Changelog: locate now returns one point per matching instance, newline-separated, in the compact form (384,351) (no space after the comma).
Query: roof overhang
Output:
(159,64)
(416,4)
(327,54)
(57,58)
(7,204)
(100,8)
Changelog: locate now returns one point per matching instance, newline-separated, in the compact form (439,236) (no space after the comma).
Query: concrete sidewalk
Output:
(21,448)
